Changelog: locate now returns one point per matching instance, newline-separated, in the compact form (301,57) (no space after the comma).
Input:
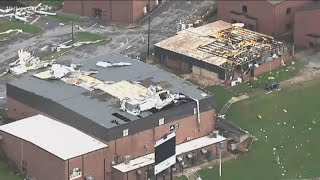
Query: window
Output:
(161,121)
(244,9)
(288,10)
(126,132)
(233,21)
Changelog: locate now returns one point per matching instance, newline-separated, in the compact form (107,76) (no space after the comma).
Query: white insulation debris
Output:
(106,64)
(26,62)
(24,13)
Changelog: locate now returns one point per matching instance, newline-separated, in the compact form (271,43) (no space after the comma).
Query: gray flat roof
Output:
(99,106)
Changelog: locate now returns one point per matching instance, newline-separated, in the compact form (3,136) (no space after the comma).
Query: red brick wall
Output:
(281,16)
(262,10)
(94,164)
(138,6)
(178,65)
(271,19)
(271,65)
(188,127)
(17,110)
(306,22)
(40,164)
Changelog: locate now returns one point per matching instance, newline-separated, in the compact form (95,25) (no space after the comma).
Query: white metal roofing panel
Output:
(180,149)
(57,138)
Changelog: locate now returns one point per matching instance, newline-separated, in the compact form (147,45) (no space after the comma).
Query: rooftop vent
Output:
(121,117)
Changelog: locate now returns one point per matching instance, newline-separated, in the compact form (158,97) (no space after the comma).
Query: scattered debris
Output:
(111,64)
(24,13)
(26,62)
(12,30)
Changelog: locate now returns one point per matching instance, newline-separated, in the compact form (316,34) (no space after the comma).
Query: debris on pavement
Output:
(106,64)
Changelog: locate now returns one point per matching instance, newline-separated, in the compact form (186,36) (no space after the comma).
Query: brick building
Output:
(222,51)
(47,149)
(307,26)
(267,16)
(124,11)
(127,135)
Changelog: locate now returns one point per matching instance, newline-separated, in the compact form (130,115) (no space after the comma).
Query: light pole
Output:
(72,31)
(221,146)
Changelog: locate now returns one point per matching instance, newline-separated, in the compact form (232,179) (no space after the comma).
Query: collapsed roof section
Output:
(222,44)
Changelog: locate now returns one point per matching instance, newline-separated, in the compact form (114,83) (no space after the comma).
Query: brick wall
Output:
(188,127)
(271,65)
(39,163)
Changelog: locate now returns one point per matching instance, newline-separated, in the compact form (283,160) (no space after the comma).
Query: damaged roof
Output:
(220,43)
(99,106)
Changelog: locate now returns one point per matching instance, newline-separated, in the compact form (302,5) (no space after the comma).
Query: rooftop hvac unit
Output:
(90,177)
(126,159)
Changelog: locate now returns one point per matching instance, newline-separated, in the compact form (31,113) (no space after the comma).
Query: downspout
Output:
(198,110)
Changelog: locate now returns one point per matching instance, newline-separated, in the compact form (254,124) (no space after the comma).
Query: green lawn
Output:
(221,95)
(27,28)
(291,138)
(88,36)
(279,75)
(5,173)
(181,178)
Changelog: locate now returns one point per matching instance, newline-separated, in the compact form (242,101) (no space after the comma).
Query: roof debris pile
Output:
(71,75)
(24,13)
(134,98)
(155,97)
(27,62)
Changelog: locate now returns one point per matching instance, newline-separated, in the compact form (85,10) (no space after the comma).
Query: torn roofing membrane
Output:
(78,100)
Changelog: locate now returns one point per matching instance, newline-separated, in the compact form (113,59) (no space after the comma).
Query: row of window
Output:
(245,9)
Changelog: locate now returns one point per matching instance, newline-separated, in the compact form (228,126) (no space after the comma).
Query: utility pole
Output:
(72,31)
(149,36)
(171,173)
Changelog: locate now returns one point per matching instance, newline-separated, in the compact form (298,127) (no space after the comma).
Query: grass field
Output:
(221,96)
(288,142)
(5,173)
(88,36)
(27,28)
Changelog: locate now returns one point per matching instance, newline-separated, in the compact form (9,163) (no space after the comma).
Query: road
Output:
(124,40)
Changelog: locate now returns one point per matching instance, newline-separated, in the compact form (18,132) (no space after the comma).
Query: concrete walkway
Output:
(192,171)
